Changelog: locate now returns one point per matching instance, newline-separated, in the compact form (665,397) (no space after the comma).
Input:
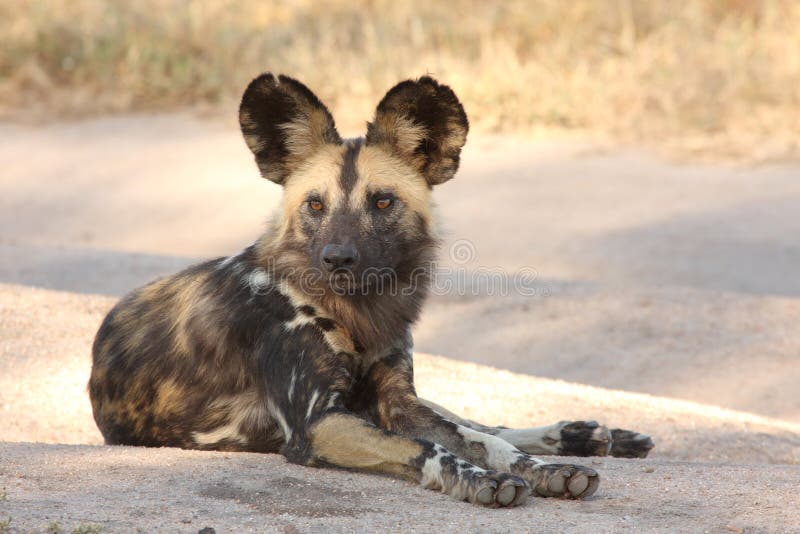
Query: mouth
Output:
(346,281)
(368,281)
(343,280)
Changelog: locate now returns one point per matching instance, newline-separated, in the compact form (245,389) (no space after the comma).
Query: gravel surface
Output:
(664,278)
(124,489)
(45,347)
(665,299)
(44,365)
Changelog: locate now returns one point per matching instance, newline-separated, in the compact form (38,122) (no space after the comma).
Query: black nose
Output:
(339,257)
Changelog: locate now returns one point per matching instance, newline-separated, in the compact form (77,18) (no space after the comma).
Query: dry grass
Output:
(718,75)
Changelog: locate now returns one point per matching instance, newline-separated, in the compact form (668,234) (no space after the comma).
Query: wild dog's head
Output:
(354,210)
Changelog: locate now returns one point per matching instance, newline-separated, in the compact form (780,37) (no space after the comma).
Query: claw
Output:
(502,490)
(567,481)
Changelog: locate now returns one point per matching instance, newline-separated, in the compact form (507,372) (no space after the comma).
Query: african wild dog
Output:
(247,353)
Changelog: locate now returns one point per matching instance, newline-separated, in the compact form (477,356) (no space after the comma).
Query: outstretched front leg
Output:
(389,399)
(565,438)
(344,440)
(320,430)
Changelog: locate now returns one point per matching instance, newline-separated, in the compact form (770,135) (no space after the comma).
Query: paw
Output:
(630,444)
(565,481)
(584,438)
(498,489)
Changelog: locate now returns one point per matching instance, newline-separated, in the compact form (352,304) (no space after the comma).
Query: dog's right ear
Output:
(284,124)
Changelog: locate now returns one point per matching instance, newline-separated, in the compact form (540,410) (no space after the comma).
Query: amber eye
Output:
(383,203)
(315,205)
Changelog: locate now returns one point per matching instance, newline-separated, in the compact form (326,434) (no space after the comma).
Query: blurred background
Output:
(716,76)
(639,157)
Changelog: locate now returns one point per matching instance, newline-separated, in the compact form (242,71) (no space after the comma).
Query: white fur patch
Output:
(434,478)
(332,400)
(292,380)
(500,454)
(240,408)
(258,280)
(229,432)
(311,403)
(298,321)
(276,413)
(432,470)
(540,440)
(230,260)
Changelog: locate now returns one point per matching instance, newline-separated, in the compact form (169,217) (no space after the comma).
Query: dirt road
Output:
(663,278)
(123,489)
(660,296)
(713,470)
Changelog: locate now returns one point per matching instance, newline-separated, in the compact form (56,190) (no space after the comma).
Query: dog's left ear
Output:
(423,123)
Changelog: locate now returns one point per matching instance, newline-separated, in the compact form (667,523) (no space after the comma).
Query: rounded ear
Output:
(423,123)
(284,124)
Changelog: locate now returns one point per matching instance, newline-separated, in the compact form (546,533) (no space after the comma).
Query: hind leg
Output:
(565,438)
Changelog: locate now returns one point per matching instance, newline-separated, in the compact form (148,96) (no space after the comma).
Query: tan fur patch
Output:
(188,302)
(378,170)
(296,297)
(457,137)
(406,133)
(395,393)
(305,134)
(339,341)
(320,173)
(169,398)
(254,142)
(348,441)
(234,410)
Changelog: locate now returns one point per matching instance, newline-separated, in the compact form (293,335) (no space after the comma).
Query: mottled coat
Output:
(301,343)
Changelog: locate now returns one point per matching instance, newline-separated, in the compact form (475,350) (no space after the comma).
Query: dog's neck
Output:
(376,316)
(377,320)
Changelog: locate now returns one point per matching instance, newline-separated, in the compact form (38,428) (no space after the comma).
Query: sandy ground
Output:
(713,469)
(45,359)
(663,297)
(123,489)
(669,279)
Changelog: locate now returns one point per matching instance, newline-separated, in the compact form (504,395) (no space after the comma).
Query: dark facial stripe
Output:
(349,175)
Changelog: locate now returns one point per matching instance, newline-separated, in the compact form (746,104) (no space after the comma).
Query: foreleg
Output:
(396,407)
(344,440)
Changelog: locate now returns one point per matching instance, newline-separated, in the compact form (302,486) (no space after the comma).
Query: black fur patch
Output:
(435,108)
(270,103)
(523,462)
(307,310)
(449,464)
(576,440)
(428,452)
(629,444)
(325,324)
(349,175)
